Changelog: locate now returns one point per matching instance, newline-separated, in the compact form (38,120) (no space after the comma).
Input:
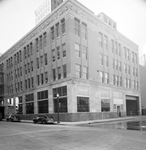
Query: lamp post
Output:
(58,121)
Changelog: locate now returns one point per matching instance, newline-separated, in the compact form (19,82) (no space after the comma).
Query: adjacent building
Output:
(80,57)
(46,8)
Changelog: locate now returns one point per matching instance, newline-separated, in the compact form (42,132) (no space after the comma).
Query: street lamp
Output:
(58,107)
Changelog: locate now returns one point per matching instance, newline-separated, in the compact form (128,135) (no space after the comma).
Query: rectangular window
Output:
(57,30)
(116,47)
(100,39)
(52,33)
(26,84)
(113,47)
(46,77)
(43,106)
(105,105)
(101,74)
(84,31)
(37,44)
(42,78)
(31,65)
(77,49)
(53,55)
(38,79)
(59,72)
(64,71)
(119,49)
(31,49)
(54,74)
(37,60)
(101,58)
(84,52)
(45,39)
(106,78)
(85,72)
(41,42)
(77,26)
(30,108)
(41,60)
(106,60)
(32,82)
(58,52)
(78,71)
(62,91)
(82,104)
(28,54)
(25,55)
(64,50)
(46,61)
(63,26)
(105,42)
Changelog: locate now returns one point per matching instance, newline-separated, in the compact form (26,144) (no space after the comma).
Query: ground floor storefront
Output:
(75,101)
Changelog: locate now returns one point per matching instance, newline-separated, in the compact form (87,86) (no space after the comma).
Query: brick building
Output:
(80,56)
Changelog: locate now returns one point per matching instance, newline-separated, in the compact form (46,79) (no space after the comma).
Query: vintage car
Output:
(43,119)
(13,118)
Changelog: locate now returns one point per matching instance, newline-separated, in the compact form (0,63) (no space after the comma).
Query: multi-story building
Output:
(78,56)
(45,9)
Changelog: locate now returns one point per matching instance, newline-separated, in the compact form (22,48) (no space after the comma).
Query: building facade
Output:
(81,57)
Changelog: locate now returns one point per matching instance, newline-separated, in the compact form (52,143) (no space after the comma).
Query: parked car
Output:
(43,119)
(13,118)
(1,116)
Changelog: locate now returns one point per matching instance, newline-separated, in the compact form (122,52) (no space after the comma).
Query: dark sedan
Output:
(13,118)
(43,119)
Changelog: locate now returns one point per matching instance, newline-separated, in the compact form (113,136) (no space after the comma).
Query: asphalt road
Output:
(28,136)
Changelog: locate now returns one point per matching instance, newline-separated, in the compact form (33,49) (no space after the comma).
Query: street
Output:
(28,136)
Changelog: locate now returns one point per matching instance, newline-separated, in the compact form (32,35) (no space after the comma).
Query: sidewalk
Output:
(89,121)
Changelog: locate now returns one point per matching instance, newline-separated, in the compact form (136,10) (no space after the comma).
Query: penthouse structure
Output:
(78,56)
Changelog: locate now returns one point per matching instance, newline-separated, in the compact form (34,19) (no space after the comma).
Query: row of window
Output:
(59,72)
(42,60)
(81,51)
(59,52)
(42,78)
(58,29)
(131,84)
(29,83)
(81,71)
(103,59)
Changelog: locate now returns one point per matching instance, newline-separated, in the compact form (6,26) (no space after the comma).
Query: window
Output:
(25,55)
(105,105)
(30,108)
(46,61)
(64,71)
(53,55)
(52,33)
(85,72)
(45,39)
(112,42)
(105,42)
(54,74)
(31,65)
(106,60)
(77,26)
(37,63)
(28,67)
(101,74)
(120,66)
(38,79)
(78,71)
(31,49)
(82,104)
(46,77)
(100,39)
(37,44)
(101,58)
(41,60)
(59,72)
(42,78)
(119,49)
(43,106)
(58,52)
(64,50)
(63,26)
(26,84)
(57,30)
(84,52)
(84,31)
(77,49)
(28,54)
(62,91)
(32,82)
(106,78)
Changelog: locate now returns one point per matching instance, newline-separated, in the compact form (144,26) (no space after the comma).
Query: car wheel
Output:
(34,122)
(44,122)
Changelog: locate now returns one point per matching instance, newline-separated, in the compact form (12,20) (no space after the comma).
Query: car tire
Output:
(44,122)
(34,122)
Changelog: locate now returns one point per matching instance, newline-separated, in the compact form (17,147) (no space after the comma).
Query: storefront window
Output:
(82,104)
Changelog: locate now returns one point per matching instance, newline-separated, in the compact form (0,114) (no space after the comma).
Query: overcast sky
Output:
(17,18)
